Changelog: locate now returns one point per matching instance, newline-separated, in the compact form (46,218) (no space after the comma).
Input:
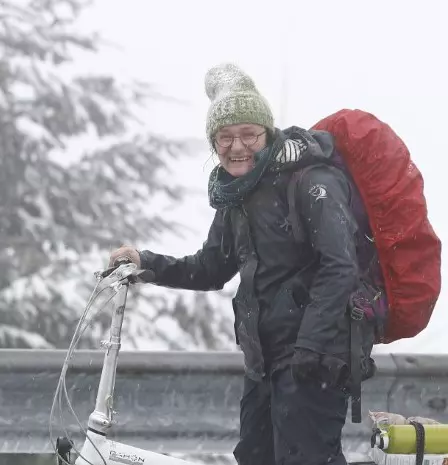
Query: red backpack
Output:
(391,188)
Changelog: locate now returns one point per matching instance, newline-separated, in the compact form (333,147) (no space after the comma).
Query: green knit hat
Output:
(234,100)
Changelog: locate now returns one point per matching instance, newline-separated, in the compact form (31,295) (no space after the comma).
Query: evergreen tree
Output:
(58,222)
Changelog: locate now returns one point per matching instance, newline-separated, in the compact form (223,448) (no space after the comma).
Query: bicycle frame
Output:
(97,448)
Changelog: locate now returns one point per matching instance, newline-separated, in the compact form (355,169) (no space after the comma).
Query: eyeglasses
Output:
(247,140)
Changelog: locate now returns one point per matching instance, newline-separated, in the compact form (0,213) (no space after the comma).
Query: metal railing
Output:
(187,402)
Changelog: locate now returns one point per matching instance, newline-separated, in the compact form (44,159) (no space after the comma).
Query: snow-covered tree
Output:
(58,222)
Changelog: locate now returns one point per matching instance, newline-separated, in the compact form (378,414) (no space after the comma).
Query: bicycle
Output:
(97,448)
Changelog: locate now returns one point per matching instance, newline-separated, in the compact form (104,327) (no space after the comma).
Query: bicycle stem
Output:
(100,420)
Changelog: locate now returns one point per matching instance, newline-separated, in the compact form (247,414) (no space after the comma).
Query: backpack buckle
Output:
(356,313)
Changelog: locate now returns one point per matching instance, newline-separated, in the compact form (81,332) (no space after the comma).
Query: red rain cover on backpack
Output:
(391,187)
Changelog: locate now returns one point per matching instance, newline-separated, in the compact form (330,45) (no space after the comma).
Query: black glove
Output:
(336,372)
(305,364)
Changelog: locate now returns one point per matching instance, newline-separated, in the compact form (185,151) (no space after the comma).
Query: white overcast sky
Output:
(309,59)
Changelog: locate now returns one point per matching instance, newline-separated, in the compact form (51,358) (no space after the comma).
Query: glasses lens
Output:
(224,141)
(249,139)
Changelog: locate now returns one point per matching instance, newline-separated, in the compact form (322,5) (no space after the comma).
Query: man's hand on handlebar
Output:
(127,253)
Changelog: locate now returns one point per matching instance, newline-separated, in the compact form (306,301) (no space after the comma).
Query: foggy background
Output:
(102,141)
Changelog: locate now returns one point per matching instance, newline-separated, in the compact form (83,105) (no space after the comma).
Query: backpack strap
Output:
(354,315)
(293,217)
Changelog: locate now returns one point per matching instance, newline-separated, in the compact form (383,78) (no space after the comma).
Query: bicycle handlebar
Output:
(123,271)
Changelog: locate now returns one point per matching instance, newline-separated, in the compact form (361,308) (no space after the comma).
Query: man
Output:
(296,252)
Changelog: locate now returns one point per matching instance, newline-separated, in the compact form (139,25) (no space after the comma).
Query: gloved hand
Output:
(336,371)
(305,364)
(125,251)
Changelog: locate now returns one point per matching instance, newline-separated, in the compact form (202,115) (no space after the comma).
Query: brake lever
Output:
(112,277)
(117,263)
(107,272)
(133,278)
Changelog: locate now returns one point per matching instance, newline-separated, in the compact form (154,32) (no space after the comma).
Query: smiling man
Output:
(295,251)
(236,146)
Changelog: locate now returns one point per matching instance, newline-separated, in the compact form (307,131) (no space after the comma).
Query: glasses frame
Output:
(240,138)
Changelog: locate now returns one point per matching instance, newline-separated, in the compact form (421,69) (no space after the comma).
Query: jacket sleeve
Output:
(208,269)
(323,198)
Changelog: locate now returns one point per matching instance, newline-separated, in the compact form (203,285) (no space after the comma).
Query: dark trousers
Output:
(287,423)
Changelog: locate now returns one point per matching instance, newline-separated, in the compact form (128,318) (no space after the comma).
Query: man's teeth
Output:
(239,159)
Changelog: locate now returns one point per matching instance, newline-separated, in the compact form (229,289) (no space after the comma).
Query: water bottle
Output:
(402,439)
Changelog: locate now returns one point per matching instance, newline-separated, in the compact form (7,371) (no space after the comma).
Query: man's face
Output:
(236,146)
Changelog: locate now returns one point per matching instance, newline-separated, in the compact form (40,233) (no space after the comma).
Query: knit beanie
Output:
(234,100)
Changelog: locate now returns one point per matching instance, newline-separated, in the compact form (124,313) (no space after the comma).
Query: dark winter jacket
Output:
(293,292)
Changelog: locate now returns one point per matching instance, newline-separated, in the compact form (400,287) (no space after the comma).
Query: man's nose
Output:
(237,145)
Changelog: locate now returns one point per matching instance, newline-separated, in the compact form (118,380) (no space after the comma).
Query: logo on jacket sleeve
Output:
(319,191)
